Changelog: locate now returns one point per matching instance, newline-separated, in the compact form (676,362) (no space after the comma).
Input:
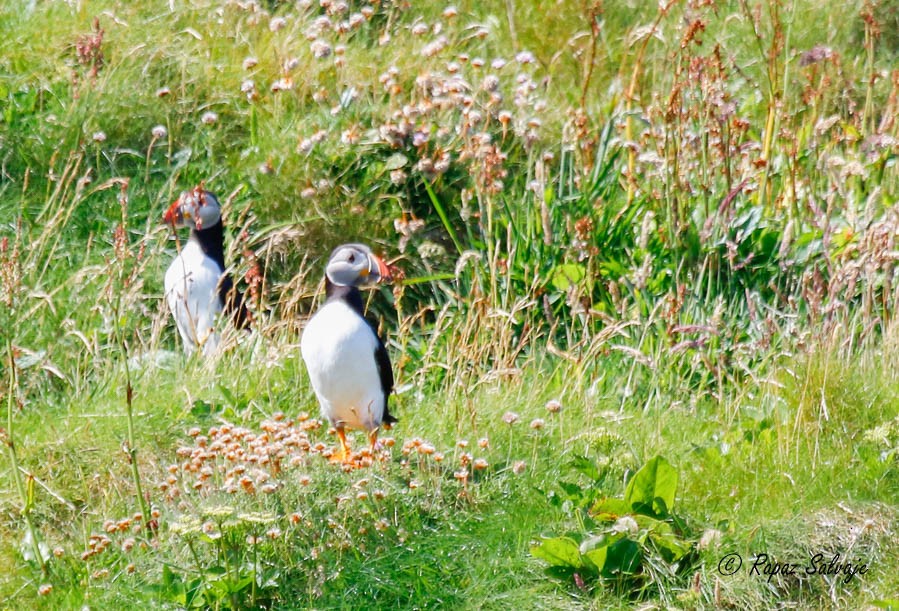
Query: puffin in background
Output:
(347,362)
(197,288)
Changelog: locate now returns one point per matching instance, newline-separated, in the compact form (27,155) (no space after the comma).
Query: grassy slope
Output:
(771,490)
(763,457)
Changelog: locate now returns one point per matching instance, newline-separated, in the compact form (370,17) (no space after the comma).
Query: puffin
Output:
(197,289)
(348,364)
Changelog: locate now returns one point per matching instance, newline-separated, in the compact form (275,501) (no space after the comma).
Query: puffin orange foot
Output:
(343,454)
(340,455)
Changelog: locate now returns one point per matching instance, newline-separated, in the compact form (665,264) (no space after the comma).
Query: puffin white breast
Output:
(191,291)
(338,347)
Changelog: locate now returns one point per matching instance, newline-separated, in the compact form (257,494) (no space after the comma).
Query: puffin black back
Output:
(212,241)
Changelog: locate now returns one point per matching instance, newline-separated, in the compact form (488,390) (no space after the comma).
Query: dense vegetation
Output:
(662,234)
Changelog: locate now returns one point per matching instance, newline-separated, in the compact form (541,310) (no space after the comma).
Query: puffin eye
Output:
(351,258)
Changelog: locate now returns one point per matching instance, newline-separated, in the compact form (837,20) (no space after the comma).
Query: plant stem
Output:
(255,576)
(593,13)
(129,412)
(629,103)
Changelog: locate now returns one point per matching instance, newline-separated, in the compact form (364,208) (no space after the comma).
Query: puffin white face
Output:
(196,209)
(355,265)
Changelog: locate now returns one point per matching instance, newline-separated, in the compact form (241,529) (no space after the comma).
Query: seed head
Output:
(320,49)
(525,57)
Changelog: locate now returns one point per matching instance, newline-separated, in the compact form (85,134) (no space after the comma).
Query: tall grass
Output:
(678,220)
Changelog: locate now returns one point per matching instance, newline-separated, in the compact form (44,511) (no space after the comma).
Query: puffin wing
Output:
(385,372)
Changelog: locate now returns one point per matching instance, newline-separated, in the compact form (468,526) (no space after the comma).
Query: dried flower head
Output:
(320,49)
(525,57)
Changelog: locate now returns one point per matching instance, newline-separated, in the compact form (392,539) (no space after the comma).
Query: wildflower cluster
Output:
(89,54)
(458,111)
(235,459)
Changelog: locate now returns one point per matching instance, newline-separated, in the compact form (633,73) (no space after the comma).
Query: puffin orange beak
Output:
(173,216)
(383,270)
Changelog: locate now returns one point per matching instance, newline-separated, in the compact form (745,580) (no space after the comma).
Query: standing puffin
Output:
(197,288)
(347,362)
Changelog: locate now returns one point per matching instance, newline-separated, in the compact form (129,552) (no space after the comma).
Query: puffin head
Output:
(196,209)
(355,265)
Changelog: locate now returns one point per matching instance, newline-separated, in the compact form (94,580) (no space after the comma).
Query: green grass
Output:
(690,246)
(756,479)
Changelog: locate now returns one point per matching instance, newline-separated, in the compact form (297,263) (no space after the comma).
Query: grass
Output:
(676,221)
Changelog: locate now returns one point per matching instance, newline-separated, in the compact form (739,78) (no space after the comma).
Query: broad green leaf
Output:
(559,572)
(559,551)
(574,491)
(645,522)
(612,269)
(673,548)
(610,509)
(240,584)
(585,466)
(173,588)
(623,557)
(597,557)
(595,542)
(168,576)
(201,408)
(567,275)
(195,598)
(653,487)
